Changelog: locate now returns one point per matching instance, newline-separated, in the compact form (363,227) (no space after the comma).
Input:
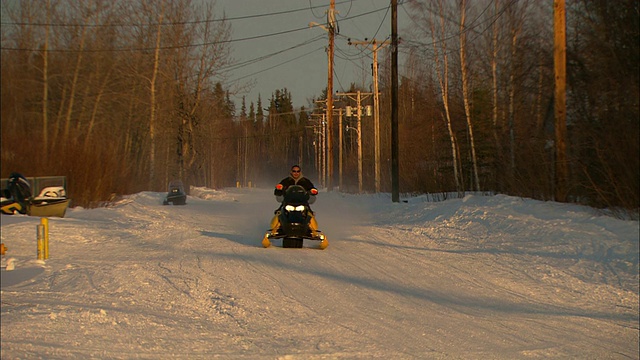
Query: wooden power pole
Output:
(340,187)
(358,98)
(560,99)
(331,30)
(395,168)
(376,103)
(331,26)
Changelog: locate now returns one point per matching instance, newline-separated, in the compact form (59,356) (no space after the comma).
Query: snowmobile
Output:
(16,196)
(294,216)
(176,194)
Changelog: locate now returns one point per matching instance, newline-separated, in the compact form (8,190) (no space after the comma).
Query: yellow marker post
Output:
(45,224)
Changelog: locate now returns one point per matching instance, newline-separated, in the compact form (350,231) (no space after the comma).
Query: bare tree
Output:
(152,92)
(86,16)
(439,39)
(45,88)
(465,91)
(195,68)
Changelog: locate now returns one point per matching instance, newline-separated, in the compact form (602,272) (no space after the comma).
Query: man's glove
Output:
(314,191)
(278,192)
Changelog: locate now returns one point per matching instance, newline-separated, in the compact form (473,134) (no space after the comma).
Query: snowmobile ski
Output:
(294,241)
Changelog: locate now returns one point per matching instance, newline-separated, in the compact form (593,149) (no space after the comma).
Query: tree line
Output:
(484,72)
(125,96)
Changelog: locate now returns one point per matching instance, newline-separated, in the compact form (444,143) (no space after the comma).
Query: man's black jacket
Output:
(288,181)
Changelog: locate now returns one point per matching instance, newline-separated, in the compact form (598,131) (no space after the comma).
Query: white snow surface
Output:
(482,277)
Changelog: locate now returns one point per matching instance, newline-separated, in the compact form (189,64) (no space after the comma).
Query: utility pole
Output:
(319,149)
(246,152)
(395,169)
(359,112)
(331,22)
(358,100)
(323,134)
(316,149)
(376,103)
(340,149)
(560,97)
(330,28)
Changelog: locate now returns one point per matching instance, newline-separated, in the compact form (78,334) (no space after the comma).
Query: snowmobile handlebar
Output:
(296,193)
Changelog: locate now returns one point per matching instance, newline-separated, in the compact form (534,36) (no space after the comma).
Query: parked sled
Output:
(17,196)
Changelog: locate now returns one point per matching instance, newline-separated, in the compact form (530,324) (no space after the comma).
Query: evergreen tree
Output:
(243,110)
(259,111)
(252,114)
(222,145)
(230,106)
(284,129)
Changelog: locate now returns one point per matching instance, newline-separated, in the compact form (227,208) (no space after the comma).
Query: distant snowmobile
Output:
(294,216)
(176,194)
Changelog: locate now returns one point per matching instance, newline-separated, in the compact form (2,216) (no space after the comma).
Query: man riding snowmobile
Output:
(299,191)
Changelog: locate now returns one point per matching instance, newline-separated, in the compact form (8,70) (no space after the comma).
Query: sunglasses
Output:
(295,171)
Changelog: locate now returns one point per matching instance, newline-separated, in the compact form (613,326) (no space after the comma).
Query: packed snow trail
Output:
(473,278)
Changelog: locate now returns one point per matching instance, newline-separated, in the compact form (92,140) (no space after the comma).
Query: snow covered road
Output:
(474,278)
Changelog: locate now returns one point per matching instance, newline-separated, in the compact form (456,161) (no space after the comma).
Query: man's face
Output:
(295,173)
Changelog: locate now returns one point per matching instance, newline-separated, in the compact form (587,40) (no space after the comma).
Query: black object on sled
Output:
(176,194)
(17,195)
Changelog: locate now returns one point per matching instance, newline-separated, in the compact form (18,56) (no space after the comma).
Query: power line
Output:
(233,67)
(312,12)
(277,65)
(255,60)
(161,47)
(264,57)
(382,22)
(179,46)
(172,23)
(470,28)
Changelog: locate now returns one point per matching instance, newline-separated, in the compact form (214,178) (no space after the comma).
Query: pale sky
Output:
(296,58)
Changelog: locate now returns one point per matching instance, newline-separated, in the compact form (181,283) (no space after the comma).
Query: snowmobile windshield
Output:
(176,186)
(19,187)
(296,195)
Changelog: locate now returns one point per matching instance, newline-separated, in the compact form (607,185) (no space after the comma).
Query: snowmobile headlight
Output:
(294,208)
